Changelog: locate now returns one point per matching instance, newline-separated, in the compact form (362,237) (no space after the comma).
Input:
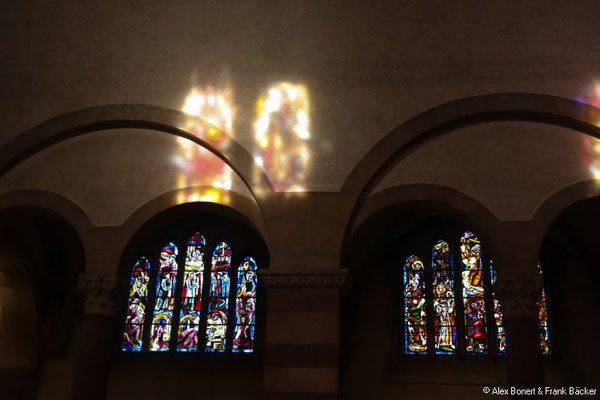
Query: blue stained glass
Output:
(245,311)
(245,307)
(246,285)
(243,339)
(191,294)
(414,283)
(219,284)
(415,318)
(216,323)
(473,294)
(161,331)
(443,298)
(139,279)
(136,308)
(187,339)
(165,300)
(134,325)
(167,273)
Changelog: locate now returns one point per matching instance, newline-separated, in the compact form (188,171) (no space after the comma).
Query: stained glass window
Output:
(136,307)
(543,320)
(245,307)
(443,298)
(473,294)
(191,295)
(165,296)
(450,307)
(216,324)
(415,324)
(202,301)
(498,315)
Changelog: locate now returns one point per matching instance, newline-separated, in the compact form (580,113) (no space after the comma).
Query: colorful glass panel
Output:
(165,296)
(161,331)
(245,307)
(473,294)
(216,324)
(443,299)
(415,324)
(543,320)
(191,295)
(136,308)
(498,315)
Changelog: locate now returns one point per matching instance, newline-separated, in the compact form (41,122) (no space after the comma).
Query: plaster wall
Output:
(510,167)
(367,68)
(110,174)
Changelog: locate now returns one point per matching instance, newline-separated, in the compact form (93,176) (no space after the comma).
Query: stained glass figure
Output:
(415,324)
(191,295)
(498,315)
(136,309)
(216,323)
(543,320)
(245,307)
(443,298)
(473,294)
(161,331)
(165,292)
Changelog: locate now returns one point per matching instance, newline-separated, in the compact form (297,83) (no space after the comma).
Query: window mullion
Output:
(430,319)
(459,317)
(489,309)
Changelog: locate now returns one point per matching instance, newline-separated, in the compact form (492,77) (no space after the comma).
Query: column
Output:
(302,339)
(97,334)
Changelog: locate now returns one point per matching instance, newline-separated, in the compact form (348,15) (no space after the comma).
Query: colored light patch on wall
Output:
(282,136)
(215,106)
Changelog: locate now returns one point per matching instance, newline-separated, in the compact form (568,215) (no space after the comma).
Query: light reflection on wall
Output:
(591,156)
(592,145)
(282,134)
(214,106)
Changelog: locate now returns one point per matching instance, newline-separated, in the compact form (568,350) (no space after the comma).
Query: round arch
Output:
(142,116)
(228,200)
(54,205)
(383,207)
(442,119)
(561,200)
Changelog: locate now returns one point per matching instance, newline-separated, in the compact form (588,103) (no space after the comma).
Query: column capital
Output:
(303,280)
(99,294)
(519,297)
